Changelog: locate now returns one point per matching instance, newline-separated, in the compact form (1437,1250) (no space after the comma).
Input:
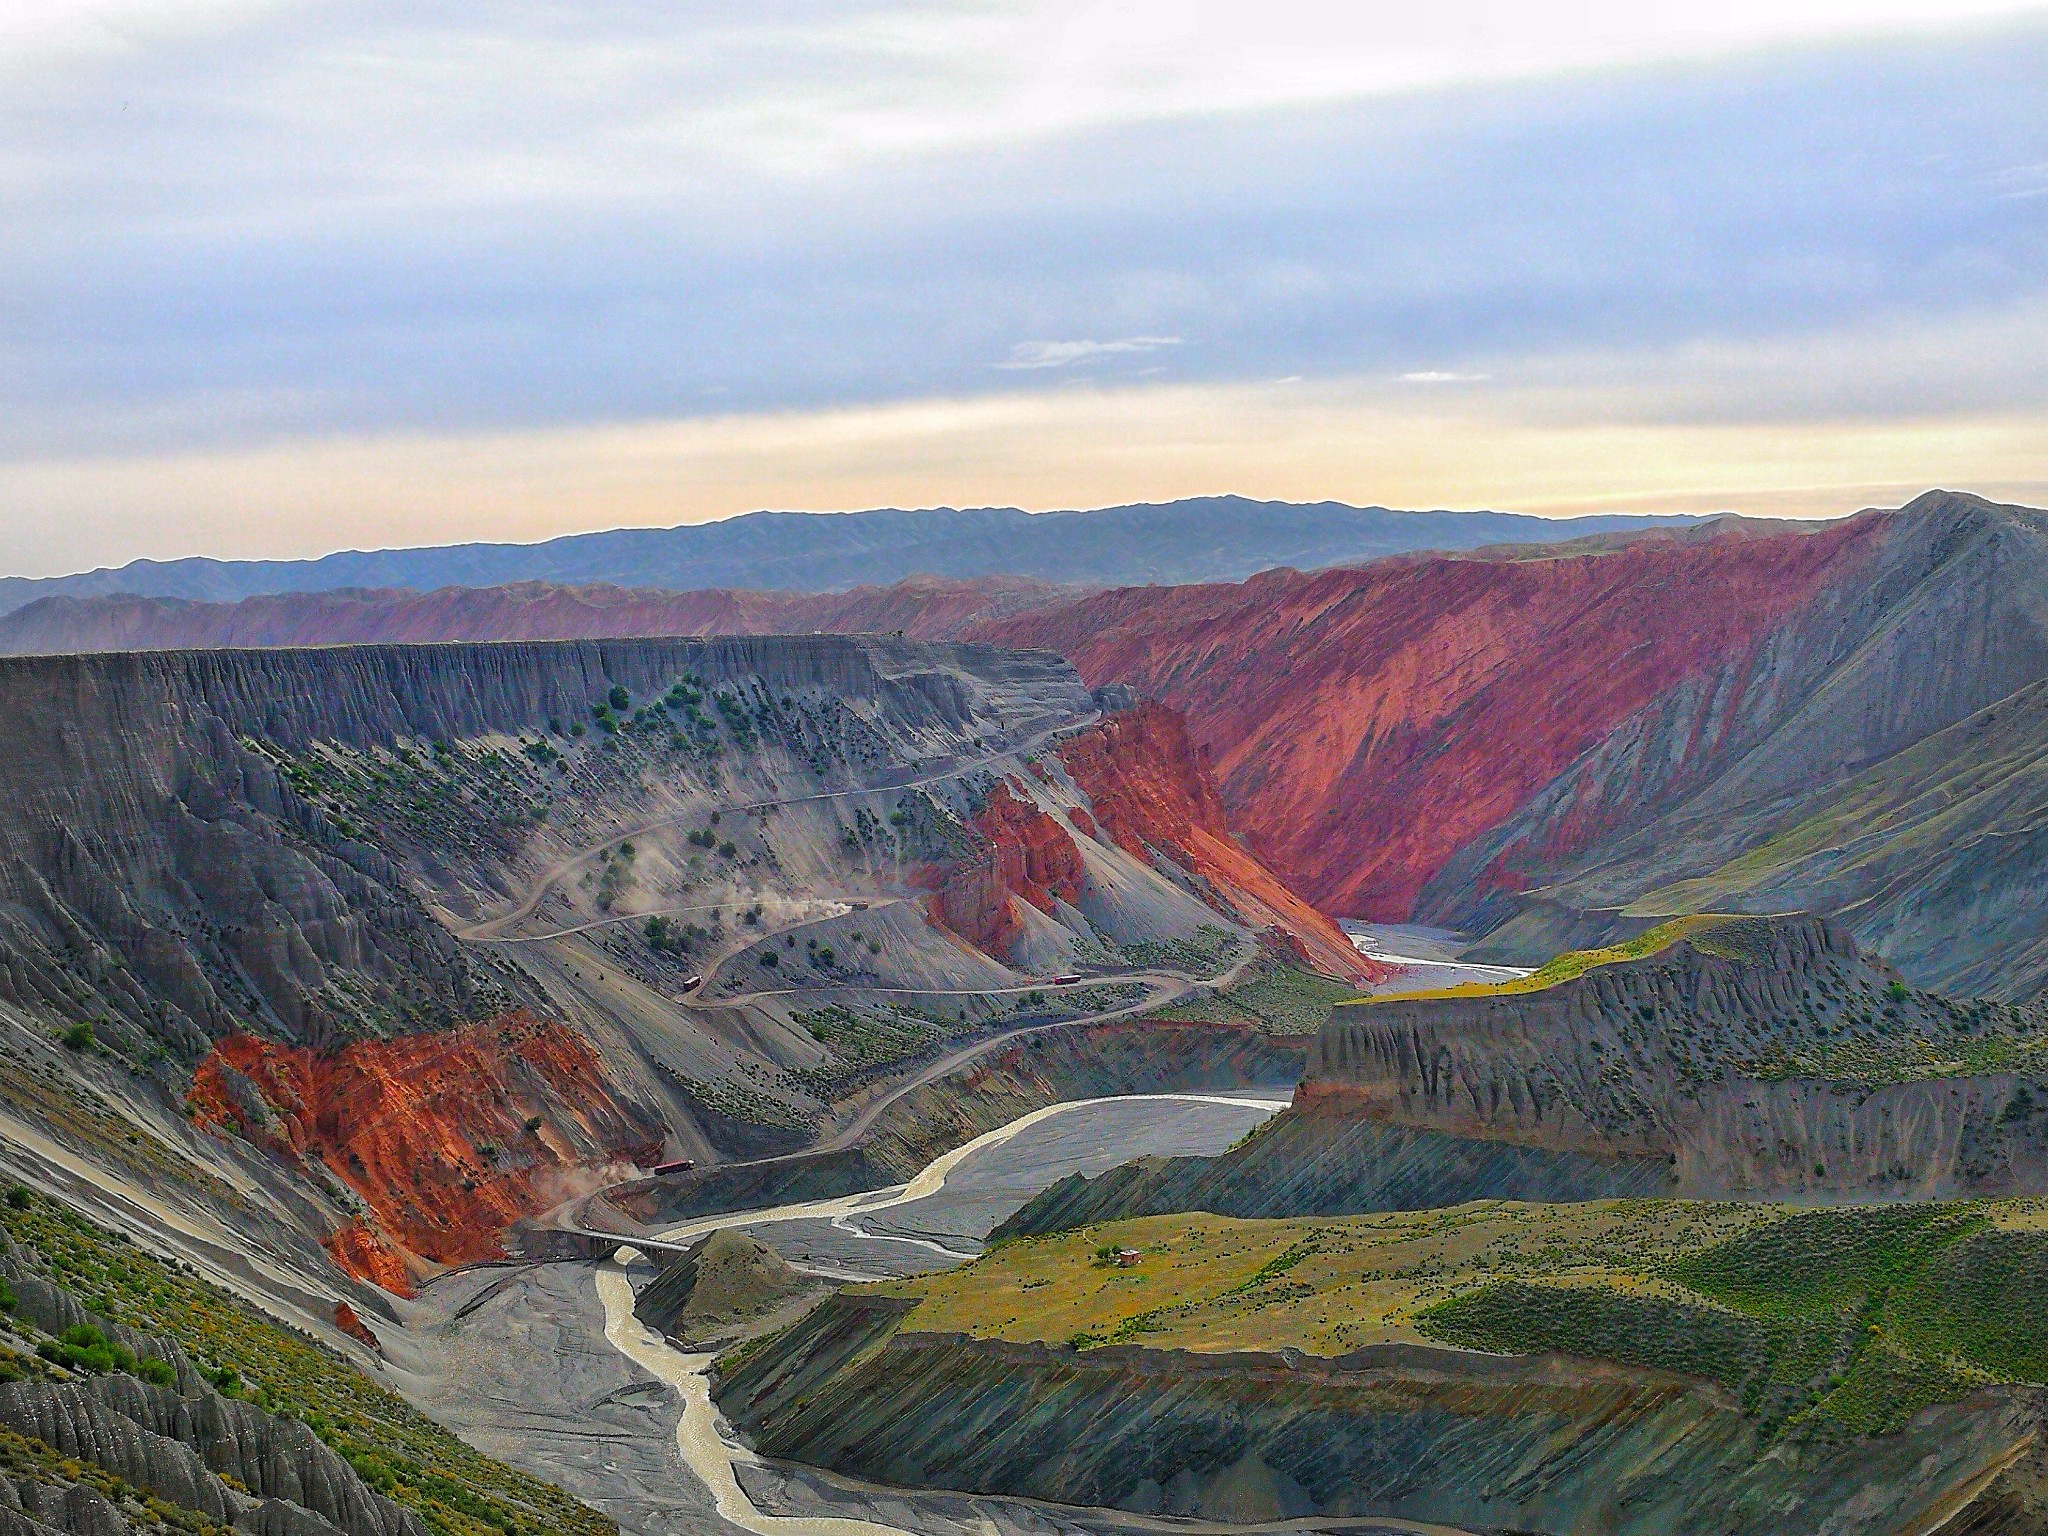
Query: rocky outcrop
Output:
(446,1137)
(1021,852)
(725,1281)
(1742,1058)
(1150,792)
(1450,1437)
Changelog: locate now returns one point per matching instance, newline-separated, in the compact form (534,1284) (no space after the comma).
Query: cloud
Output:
(1434,376)
(1058,354)
(255,232)
(1367,440)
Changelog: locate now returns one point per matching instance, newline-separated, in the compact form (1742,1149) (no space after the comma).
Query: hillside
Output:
(137,1398)
(1536,1368)
(1537,742)
(374,951)
(1201,539)
(1721,1057)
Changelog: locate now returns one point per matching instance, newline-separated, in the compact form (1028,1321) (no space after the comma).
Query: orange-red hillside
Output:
(1364,723)
(1150,790)
(1149,794)
(1024,853)
(430,1130)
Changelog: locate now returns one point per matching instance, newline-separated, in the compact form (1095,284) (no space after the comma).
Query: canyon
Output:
(426,940)
(1530,742)
(389,986)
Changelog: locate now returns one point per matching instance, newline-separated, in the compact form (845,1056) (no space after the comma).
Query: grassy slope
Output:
(1850,1318)
(1281,1000)
(456,1489)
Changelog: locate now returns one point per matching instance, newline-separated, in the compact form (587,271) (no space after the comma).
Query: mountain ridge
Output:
(1197,538)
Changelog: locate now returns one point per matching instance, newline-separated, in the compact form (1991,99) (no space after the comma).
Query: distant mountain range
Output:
(1210,538)
(922,607)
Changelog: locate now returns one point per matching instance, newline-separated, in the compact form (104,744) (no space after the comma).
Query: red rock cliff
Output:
(430,1130)
(1364,724)
(1150,790)
(1025,853)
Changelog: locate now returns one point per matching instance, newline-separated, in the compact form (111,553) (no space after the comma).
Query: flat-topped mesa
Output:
(1610,1051)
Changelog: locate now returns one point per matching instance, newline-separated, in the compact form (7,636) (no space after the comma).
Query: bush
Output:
(619,698)
(20,1197)
(78,1038)
(770,959)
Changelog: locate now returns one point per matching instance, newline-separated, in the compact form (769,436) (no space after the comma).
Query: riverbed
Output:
(552,1372)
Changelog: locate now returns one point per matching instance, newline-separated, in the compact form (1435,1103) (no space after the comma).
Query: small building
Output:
(1126,1257)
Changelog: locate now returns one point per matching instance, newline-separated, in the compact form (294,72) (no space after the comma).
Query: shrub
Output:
(78,1037)
(20,1197)
(619,698)
(770,959)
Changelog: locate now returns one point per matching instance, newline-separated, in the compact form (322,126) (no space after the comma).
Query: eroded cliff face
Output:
(1150,791)
(1544,742)
(1133,782)
(172,869)
(1478,1441)
(1751,1058)
(1024,853)
(445,1137)
(1942,613)
(1714,1055)
(1365,724)
(177,1440)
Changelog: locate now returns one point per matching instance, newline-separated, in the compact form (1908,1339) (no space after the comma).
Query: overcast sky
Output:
(280,278)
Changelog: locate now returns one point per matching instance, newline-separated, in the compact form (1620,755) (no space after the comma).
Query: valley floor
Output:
(545,1367)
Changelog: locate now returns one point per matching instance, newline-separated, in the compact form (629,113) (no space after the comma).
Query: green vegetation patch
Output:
(1205,953)
(863,1040)
(398,1450)
(1282,1000)
(1841,1321)
(1851,1317)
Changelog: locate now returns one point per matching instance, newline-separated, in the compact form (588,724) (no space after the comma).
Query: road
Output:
(493,928)
(1163,987)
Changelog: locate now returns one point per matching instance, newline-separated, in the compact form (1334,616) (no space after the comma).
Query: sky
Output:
(279,277)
